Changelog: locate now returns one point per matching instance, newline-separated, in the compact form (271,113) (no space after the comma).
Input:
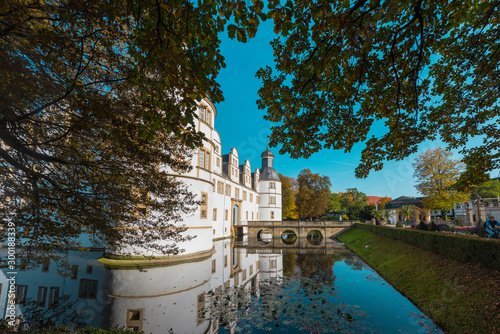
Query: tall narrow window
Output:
(46,266)
(272,214)
(272,200)
(272,185)
(53,296)
(42,296)
(203,112)
(204,158)
(74,272)
(203,205)
(21,291)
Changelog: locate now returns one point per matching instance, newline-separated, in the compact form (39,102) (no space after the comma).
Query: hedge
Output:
(480,251)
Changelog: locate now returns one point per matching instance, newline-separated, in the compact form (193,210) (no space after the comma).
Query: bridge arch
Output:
(315,237)
(265,236)
(289,237)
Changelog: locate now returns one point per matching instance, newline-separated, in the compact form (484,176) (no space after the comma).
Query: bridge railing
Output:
(295,223)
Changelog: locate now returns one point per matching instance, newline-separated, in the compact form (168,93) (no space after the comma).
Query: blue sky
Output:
(241,125)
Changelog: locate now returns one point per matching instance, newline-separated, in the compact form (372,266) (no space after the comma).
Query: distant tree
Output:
(436,175)
(362,212)
(377,213)
(386,214)
(334,203)
(490,189)
(288,192)
(312,195)
(355,201)
(383,201)
(408,211)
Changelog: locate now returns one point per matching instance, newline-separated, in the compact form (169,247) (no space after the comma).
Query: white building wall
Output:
(270,211)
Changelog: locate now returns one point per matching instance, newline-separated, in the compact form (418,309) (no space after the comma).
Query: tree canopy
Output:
(390,74)
(436,174)
(490,189)
(312,195)
(288,191)
(98,102)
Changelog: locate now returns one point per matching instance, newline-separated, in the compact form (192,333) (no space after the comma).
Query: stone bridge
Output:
(296,233)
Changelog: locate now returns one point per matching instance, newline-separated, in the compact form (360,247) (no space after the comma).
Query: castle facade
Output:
(230,193)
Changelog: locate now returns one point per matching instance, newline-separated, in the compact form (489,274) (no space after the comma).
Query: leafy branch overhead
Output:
(390,74)
(98,104)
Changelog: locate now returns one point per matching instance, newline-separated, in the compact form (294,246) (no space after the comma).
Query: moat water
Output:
(245,286)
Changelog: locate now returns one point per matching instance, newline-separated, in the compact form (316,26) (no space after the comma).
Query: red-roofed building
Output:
(373,200)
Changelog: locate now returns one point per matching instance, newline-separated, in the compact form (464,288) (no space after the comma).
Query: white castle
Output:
(230,194)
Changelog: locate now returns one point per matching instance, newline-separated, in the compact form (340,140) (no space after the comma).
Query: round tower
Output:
(269,189)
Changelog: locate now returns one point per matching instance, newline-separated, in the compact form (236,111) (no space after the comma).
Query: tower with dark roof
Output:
(269,189)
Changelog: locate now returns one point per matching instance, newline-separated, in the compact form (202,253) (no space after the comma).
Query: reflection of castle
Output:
(230,194)
(154,300)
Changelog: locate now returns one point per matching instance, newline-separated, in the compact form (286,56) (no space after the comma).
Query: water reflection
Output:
(242,287)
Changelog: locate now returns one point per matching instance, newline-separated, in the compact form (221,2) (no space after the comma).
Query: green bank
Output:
(461,297)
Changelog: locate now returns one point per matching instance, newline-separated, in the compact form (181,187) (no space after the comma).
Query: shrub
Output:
(345,217)
(461,248)
(459,223)
(399,224)
(434,227)
(422,226)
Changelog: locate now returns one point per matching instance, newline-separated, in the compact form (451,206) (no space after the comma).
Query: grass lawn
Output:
(460,297)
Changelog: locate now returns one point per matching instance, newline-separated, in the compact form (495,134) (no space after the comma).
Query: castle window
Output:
(21,291)
(46,266)
(247,215)
(203,112)
(226,214)
(88,289)
(272,214)
(272,185)
(218,162)
(134,319)
(74,272)
(251,197)
(201,308)
(272,200)
(204,158)
(42,296)
(205,115)
(244,195)
(228,190)
(215,214)
(203,205)
(53,296)
(236,193)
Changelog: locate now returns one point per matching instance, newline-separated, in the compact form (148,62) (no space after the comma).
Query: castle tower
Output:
(269,189)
